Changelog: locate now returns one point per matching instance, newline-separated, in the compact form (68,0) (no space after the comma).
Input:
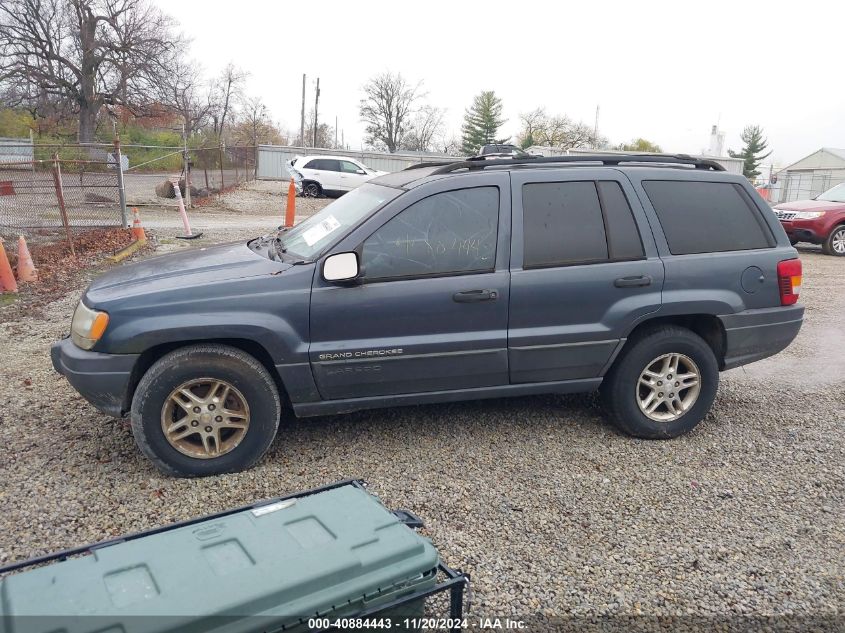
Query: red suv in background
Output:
(818,221)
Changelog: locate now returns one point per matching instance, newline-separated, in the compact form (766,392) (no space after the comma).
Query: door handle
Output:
(474,296)
(632,282)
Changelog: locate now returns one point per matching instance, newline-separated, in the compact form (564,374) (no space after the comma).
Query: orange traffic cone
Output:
(7,279)
(138,230)
(290,211)
(26,269)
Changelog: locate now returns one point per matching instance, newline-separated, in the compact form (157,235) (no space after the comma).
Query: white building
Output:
(810,176)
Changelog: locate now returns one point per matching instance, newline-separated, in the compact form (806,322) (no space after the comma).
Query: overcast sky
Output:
(665,71)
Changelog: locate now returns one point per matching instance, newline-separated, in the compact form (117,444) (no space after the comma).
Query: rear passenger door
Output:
(584,271)
(326,171)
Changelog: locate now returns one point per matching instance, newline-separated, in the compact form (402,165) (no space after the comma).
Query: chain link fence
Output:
(213,170)
(798,185)
(54,193)
(95,183)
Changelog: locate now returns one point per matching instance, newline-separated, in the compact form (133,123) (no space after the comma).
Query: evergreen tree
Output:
(752,153)
(481,122)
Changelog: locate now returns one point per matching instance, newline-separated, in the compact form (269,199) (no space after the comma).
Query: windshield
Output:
(837,194)
(308,238)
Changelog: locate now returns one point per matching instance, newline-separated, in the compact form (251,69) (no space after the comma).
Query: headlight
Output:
(808,215)
(87,326)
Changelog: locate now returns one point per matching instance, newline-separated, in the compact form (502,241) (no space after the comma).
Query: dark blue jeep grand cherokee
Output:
(640,276)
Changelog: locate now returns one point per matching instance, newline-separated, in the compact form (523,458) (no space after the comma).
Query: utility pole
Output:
(316,105)
(302,116)
(596,129)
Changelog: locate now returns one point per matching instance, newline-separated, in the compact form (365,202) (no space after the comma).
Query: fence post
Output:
(121,189)
(222,182)
(60,196)
(187,162)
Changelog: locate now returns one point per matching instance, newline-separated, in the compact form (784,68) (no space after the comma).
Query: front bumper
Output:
(803,231)
(102,379)
(752,335)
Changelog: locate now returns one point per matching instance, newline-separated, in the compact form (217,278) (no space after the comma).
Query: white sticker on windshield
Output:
(318,232)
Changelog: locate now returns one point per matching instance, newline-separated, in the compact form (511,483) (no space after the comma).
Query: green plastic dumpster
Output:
(297,563)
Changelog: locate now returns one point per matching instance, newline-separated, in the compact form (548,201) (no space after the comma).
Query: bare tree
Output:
(557,131)
(532,122)
(184,91)
(86,52)
(228,91)
(450,144)
(426,125)
(387,109)
(254,126)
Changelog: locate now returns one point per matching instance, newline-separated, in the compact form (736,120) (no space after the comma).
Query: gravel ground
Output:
(550,509)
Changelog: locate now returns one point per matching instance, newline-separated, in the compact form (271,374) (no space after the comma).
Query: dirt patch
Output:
(58,269)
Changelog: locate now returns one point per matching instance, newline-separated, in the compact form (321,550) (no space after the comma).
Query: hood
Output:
(811,205)
(193,267)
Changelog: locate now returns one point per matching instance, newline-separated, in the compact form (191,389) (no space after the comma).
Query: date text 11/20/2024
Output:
(430,624)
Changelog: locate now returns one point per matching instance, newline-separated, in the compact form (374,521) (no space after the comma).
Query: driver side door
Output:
(430,311)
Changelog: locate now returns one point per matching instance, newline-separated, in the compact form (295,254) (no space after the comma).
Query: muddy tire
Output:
(662,385)
(205,410)
(311,189)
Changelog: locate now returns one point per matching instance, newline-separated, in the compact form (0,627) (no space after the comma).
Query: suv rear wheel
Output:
(663,384)
(205,410)
(835,242)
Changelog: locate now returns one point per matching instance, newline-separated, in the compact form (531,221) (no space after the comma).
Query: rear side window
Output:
(705,217)
(562,224)
(623,237)
(567,223)
(324,164)
(445,234)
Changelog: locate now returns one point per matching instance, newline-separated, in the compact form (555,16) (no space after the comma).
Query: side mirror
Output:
(361,172)
(341,267)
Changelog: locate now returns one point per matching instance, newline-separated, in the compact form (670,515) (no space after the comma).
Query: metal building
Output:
(810,176)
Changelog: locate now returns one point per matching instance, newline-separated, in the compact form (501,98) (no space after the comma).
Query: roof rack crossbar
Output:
(478,163)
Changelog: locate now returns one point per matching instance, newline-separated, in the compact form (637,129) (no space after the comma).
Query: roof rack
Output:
(479,162)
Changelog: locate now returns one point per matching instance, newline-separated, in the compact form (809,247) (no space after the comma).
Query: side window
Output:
(447,233)
(623,237)
(563,224)
(330,164)
(706,217)
(314,164)
(347,167)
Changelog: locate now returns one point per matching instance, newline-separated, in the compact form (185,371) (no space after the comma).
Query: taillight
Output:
(789,281)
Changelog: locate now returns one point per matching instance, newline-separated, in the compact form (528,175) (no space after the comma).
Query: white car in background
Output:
(329,175)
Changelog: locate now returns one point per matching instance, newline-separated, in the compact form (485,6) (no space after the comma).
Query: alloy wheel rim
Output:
(311,191)
(668,387)
(205,418)
(839,241)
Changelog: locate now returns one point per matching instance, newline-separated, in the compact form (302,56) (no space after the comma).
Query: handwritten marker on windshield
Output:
(290,211)
(178,192)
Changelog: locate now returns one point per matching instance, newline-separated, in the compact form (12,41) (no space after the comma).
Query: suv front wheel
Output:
(835,242)
(663,384)
(205,410)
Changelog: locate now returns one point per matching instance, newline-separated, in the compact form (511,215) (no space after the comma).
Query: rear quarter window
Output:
(705,217)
